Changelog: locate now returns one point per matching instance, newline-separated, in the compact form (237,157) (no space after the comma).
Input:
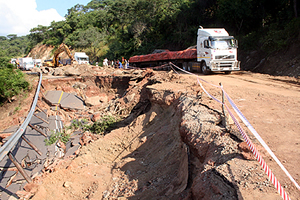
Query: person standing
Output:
(105,62)
(126,64)
(123,61)
(120,64)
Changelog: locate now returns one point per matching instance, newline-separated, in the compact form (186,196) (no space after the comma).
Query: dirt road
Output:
(271,105)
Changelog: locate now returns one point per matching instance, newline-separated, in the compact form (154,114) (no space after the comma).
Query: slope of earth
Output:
(45,52)
(173,145)
(41,51)
(285,62)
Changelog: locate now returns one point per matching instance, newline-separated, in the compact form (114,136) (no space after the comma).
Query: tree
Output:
(12,36)
(295,8)
(92,41)
(2,38)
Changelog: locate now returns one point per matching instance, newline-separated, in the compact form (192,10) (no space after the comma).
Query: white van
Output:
(81,58)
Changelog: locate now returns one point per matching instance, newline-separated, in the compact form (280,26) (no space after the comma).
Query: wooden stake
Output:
(223,108)
(37,130)
(41,118)
(32,145)
(19,167)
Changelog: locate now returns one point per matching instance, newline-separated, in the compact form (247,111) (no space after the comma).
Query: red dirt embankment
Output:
(171,144)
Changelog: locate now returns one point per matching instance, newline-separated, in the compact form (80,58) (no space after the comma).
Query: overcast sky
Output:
(19,16)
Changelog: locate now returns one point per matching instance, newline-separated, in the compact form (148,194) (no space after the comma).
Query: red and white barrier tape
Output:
(250,127)
(253,131)
(257,155)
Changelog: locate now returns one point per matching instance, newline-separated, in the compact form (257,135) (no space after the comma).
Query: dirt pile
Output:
(45,52)
(41,51)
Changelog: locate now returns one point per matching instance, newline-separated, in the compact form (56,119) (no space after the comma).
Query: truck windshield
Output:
(84,59)
(223,44)
(28,63)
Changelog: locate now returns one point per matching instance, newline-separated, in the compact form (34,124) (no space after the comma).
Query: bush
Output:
(54,137)
(105,124)
(277,38)
(250,41)
(12,82)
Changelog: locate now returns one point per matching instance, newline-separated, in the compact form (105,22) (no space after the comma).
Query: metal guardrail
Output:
(5,149)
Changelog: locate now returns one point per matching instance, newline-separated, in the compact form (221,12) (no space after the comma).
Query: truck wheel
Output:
(204,68)
(228,72)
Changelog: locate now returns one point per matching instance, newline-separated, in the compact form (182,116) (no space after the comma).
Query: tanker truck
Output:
(215,51)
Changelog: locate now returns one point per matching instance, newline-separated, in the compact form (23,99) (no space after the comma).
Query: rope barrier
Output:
(254,150)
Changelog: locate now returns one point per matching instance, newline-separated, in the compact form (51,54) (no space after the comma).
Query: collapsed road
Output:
(169,142)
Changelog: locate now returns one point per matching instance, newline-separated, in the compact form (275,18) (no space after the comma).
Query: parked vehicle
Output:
(37,62)
(26,63)
(215,51)
(56,62)
(81,58)
(13,61)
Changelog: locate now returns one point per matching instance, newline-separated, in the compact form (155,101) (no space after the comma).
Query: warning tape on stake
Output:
(257,155)
(254,150)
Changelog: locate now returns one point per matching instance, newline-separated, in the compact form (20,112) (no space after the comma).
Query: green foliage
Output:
(13,46)
(17,109)
(104,124)
(4,62)
(250,41)
(123,28)
(76,124)
(12,82)
(278,38)
(54,137)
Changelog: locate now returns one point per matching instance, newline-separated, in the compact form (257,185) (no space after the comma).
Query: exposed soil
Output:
(171,143)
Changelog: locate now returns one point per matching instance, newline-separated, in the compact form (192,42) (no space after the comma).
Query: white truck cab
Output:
(81,58)
(26,63)
(216,51)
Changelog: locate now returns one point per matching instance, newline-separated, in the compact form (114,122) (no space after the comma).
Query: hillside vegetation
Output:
(116,28)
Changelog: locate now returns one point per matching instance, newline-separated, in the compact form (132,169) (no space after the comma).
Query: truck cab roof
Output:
(214,32)
(81,54)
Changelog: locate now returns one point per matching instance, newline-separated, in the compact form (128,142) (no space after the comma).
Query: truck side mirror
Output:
(236,43)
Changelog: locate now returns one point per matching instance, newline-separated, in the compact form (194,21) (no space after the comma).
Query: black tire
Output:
(204,69)
(228,72)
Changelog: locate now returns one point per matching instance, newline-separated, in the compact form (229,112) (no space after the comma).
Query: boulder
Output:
(129,98)
(103,98)
(70,71)
(58,72)
(118,72)
(96,117)
(92,101)
(79,85)
(36,69)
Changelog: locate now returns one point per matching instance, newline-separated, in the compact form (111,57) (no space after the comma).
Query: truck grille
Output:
(225,57)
